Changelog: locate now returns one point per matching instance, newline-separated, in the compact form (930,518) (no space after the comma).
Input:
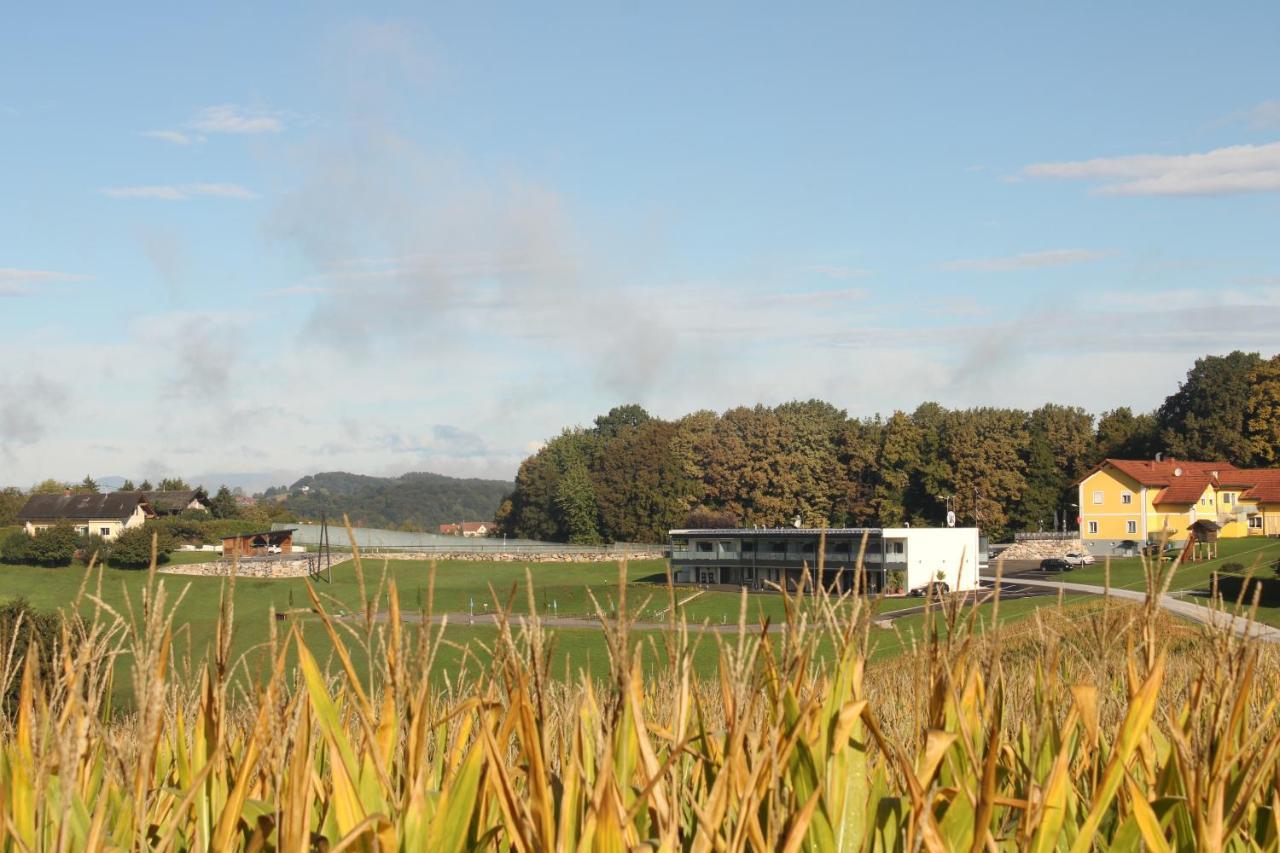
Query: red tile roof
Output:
(1183,482)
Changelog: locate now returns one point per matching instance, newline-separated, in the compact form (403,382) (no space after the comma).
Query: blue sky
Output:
(266,239)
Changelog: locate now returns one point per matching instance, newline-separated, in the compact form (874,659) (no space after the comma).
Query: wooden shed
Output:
(258,544)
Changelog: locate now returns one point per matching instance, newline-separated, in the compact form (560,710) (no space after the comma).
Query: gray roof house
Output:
(105,515)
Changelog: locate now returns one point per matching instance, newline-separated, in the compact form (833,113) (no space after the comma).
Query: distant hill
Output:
(421,500)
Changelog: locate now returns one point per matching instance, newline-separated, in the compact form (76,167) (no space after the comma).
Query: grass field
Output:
(1127,573)
(560,589)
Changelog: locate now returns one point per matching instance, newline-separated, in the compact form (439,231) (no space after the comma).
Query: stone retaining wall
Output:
(1041,549)
(498,557)
(285,568)
(292,567)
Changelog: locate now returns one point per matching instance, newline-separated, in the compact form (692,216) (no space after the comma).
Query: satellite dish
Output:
(951,518)
(796,523)
(1177,472)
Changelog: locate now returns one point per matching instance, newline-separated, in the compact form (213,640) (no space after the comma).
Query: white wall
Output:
(953,550)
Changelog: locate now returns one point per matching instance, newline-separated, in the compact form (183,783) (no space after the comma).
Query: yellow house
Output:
(1130,501)
(102,515)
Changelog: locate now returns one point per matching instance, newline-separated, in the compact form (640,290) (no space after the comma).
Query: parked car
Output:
(1155,549)
(1079,558)
(940,589)
(274,549)
(1055,564)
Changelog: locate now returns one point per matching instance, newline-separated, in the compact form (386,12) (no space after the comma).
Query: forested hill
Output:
(417,501)
(632,477)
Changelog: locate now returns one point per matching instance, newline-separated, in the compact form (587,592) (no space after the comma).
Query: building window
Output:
(704,547)
(748,547)
(1228,498)
(1126,498)
(104,531)
(1255,522)
(893,546)
(83,529)
(1097,497)
(1131,527)
(1093,527)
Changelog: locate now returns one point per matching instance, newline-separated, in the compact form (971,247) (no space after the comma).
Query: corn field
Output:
(1091,727)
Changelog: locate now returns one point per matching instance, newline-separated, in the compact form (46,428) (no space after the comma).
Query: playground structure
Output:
(1202,542)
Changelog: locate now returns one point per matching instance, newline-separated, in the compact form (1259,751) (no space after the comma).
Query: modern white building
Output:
(908,557)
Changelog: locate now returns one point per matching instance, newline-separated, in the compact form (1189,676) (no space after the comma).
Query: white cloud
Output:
(1222,171)
(229,118)
(177,137)
(18,282)
(180,192)
(1025,261)
(1265,114)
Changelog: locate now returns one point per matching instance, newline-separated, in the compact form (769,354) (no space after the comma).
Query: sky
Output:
(257,240)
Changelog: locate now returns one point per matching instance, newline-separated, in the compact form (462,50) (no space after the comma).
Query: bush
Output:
(702,518)
(91,544)
(16,548)
(21,626)
(132,548)
(54,546)
(1233,568)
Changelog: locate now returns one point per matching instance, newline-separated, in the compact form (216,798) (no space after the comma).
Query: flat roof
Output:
(260,533)
(800,531)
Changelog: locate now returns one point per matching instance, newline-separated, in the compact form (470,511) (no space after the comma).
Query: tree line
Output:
(630,477)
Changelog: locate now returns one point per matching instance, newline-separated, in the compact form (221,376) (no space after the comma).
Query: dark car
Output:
(940,589)
(1055,564)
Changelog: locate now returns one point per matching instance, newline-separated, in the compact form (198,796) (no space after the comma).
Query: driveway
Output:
(1181,607)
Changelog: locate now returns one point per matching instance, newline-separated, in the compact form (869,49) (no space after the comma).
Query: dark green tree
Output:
(1123,435)
(145,486)
(897,463)
(89,485)
(1205,419)
(619,419)
(173,484)
(223,504)
(127,486)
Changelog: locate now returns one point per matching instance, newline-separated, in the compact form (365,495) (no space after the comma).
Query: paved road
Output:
(1189,609)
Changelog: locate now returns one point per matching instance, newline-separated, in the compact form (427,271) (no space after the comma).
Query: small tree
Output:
(16,548)
(173,484)
(145,486)
(54,546)
(128,486)
(223,504)
(88,484)
(132,548)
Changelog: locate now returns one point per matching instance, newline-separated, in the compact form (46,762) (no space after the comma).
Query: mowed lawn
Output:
(1257,553)
(559,589)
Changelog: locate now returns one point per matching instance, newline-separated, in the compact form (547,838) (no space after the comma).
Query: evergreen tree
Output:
(575,503)
(127,486)
(223,504)
(88,485)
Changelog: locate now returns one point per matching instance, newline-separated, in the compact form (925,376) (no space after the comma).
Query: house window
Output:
(1126,498)
(1093,527)
(83,529)
(893,547)
(1255,522)
(1097,497)
(104,531)
(1131,527)
(704,547)
(1228,498)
